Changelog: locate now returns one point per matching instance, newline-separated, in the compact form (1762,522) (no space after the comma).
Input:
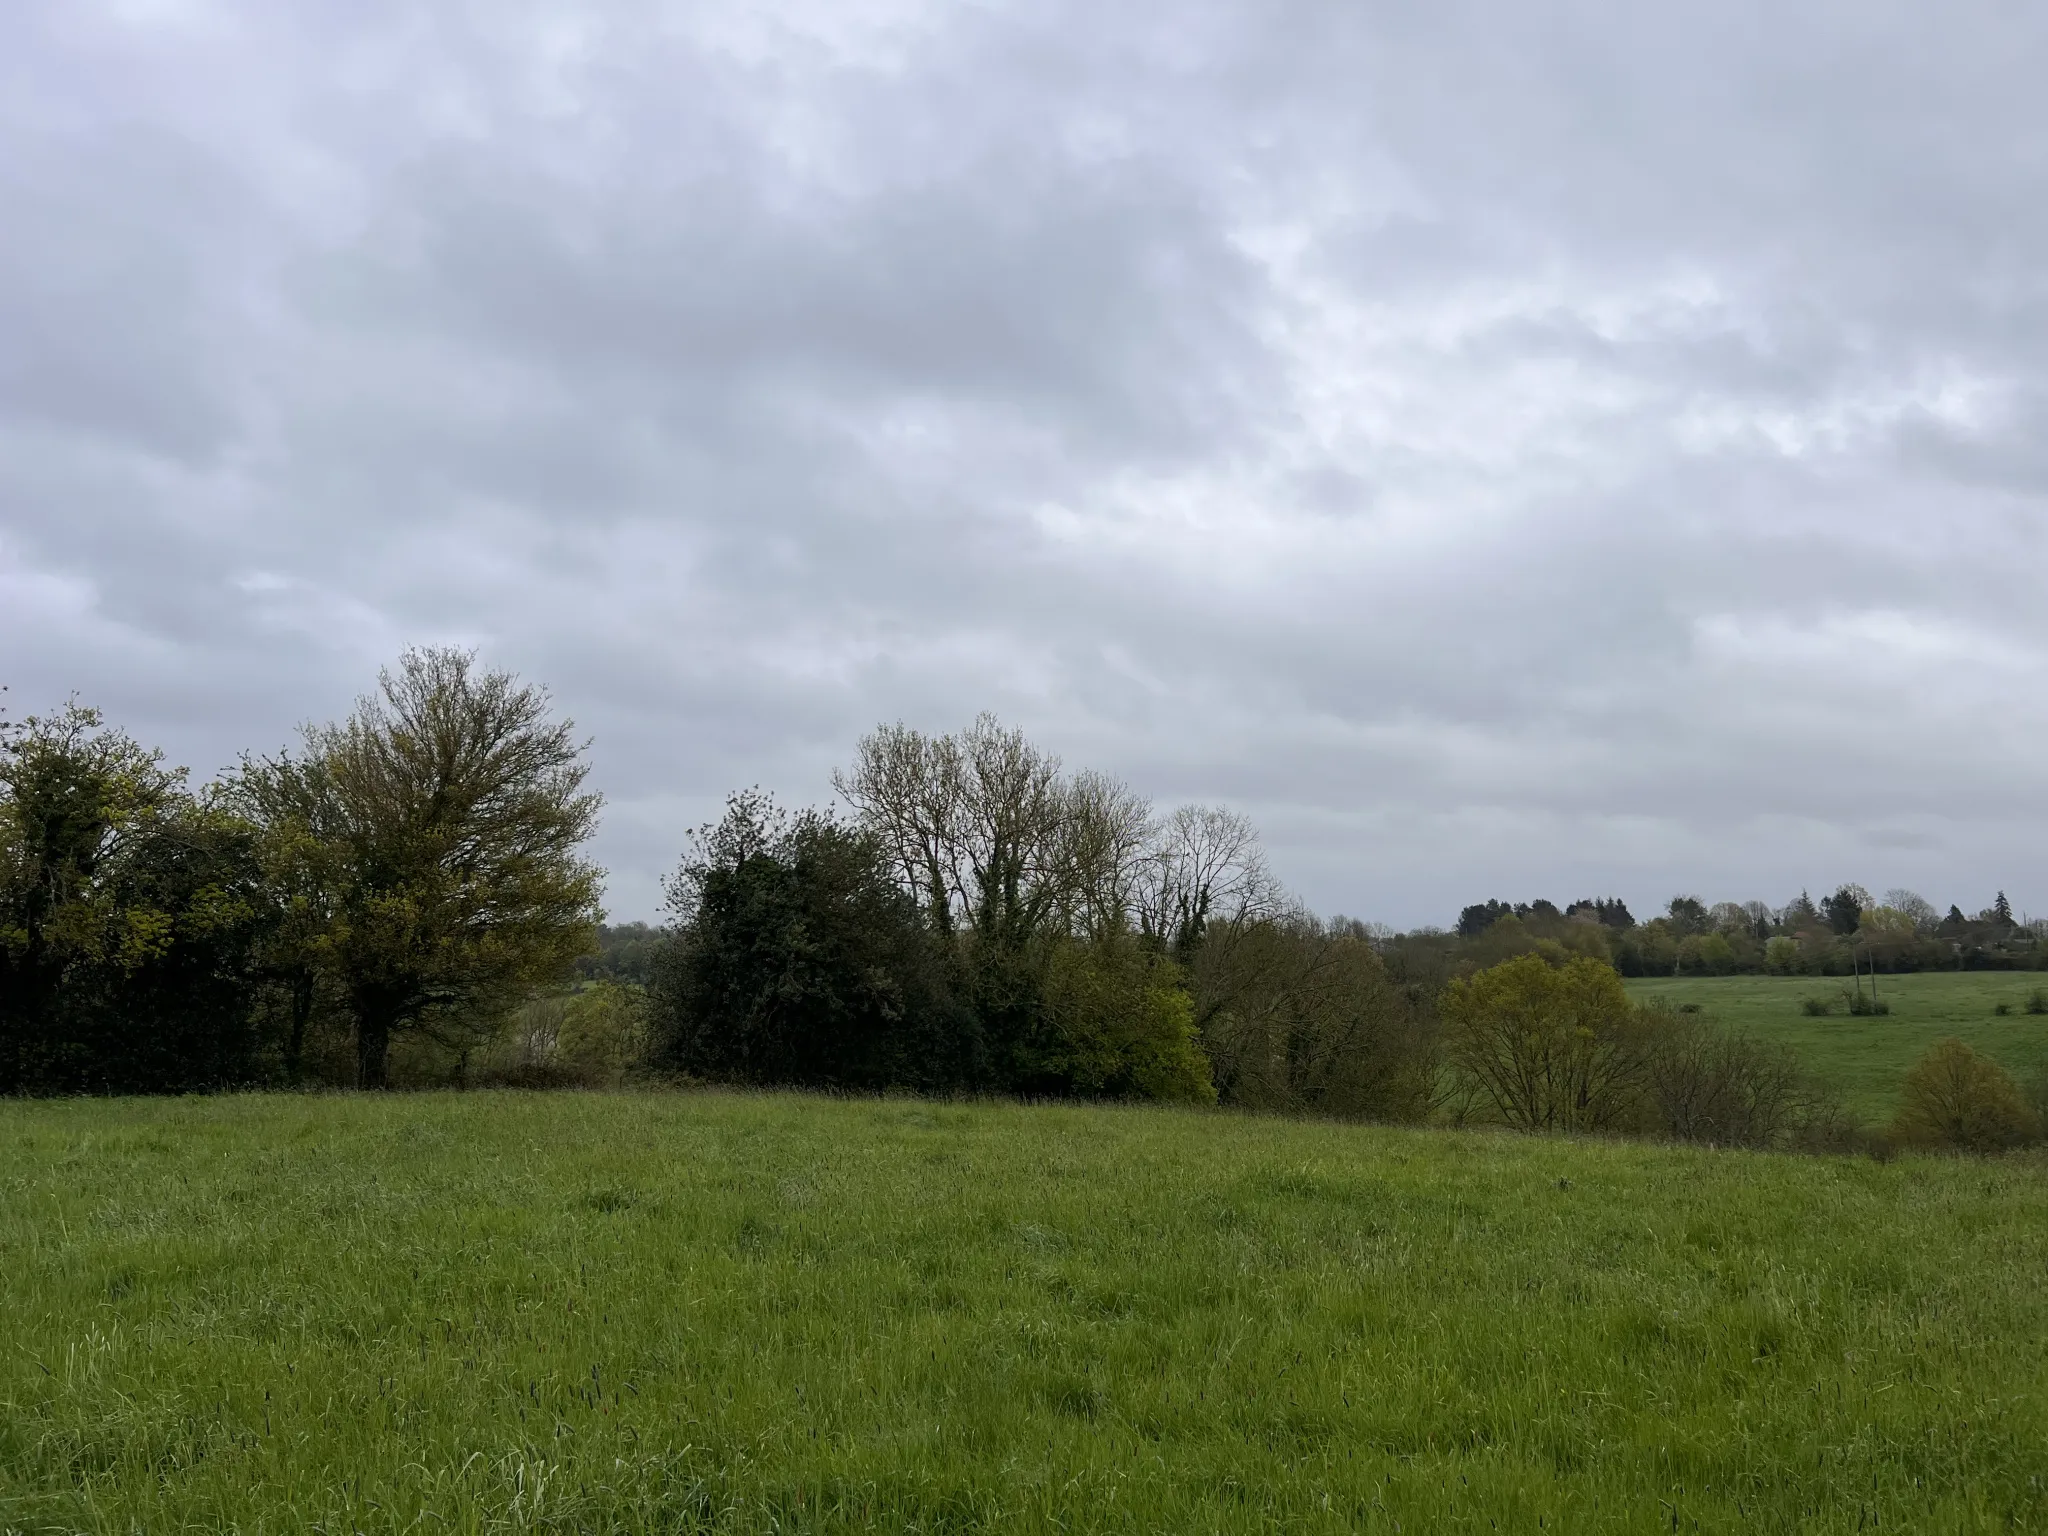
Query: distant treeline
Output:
(401,899)
(1843,932)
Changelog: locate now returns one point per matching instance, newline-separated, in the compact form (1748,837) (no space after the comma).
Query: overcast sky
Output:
(1508,449)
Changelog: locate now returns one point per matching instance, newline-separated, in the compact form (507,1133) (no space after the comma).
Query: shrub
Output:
(2037,1001)
(1816,1007)
(1958,1100)
(1123,1025)
(1302,1017)
(1865,1007)
(1714,1085)
(2002,1010)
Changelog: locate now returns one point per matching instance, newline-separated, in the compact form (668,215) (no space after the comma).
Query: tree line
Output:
(402,896)
(1844,932)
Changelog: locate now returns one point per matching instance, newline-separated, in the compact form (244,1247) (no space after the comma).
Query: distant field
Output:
(502,1312)
(1866,1057)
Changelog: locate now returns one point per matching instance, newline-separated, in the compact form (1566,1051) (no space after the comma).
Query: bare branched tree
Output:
(1206,867)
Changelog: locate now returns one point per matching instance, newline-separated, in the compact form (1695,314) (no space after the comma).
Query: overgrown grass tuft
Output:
(574,1312)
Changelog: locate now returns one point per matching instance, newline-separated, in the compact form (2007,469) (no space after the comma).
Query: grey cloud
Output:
(1508,449)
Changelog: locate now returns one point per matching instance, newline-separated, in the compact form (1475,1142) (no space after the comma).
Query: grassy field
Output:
(502,1312)
(1866,1057)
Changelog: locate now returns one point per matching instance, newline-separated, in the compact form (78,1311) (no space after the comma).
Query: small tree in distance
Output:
(1956,1099)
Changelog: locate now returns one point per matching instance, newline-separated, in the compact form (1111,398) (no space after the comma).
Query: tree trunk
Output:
(373,1049)
(302,1014)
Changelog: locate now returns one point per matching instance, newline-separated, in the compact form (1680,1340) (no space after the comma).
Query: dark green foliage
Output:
(799,960)
(130,918)
(1611,912)
(1844,910)
(1475,920)
(1688,915)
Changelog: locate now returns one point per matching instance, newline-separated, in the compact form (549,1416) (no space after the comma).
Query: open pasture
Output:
(500,1312)
(1866,1057)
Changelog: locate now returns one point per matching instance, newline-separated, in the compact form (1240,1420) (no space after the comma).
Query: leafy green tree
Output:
(1706,953)
(1688,916)
(1120,1024)
(1917,908)
(625,953)
(442,824)
(129,918)
(1550,1048)
(1887,934)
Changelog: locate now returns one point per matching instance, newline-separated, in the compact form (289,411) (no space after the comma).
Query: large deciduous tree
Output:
(436,835)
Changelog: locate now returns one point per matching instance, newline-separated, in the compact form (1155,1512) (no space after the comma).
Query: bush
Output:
(2002,1010)
(1123,1025)
(1302,1017)
(1816,1007)
(1550,1049)
(1960,1101)
(2037,1001)
(1714,1085)
(1866,1007)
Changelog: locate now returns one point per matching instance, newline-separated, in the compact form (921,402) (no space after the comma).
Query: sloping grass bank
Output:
(590,1313)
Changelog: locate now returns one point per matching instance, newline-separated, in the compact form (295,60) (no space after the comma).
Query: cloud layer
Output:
(1508,450)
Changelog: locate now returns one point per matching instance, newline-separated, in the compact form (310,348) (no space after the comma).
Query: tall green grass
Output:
(503,1312)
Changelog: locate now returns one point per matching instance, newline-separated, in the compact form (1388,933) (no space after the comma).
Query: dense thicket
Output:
(412,869)
(130,912)
(985,921)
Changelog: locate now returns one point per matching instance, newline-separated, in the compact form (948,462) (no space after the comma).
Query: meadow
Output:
(725,1312)
(1866,1057)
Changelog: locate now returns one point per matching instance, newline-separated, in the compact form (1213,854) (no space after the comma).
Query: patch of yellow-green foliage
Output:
(574,1312)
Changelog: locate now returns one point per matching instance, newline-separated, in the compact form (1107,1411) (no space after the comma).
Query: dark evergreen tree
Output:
(1843,911)
(797,958)
(1476,919)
